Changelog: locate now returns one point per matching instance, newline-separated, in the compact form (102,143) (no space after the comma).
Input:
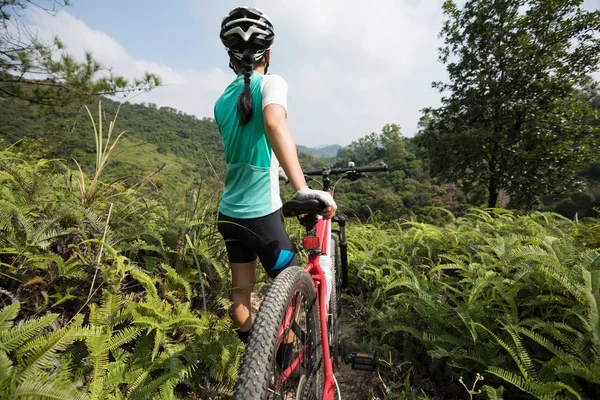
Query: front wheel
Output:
(284,349)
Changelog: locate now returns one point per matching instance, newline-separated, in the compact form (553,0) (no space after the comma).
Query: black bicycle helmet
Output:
(244,27)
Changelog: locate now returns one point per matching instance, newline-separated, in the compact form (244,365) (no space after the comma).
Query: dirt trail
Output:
(354,384)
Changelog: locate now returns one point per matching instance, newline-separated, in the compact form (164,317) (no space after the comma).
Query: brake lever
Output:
(353,176)
(310,178)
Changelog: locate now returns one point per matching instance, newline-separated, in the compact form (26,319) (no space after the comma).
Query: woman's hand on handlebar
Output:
(307,193)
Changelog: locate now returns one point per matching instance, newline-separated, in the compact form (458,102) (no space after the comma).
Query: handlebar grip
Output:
(378,168)
(313,173)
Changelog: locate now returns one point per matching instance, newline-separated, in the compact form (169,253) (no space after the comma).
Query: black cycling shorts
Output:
(264,237)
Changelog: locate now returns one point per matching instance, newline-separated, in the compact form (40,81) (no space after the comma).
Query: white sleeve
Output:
(274,91)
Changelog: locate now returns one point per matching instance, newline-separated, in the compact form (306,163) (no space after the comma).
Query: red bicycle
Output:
(294,344)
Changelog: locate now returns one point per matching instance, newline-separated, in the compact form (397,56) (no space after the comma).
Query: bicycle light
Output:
(310,243)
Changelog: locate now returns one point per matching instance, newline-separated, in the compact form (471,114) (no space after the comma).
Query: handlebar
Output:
(311,207)
(348,171)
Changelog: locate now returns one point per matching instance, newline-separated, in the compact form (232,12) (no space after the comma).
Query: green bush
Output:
(113,293)
(513,298)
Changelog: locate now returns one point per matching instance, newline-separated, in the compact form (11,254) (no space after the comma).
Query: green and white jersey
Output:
(252,177)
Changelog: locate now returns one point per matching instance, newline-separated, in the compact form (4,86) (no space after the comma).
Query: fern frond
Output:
(146,282)
(468,322)
(514,353)
(548,345)
(522,352)
(6,370)
(41,353)
(136,381)
(99,363)
(493,393)
(543,391)
(589,372)
(44,261)
(41,389)
(8,315)
(178,279)
(122,337)
(24,332)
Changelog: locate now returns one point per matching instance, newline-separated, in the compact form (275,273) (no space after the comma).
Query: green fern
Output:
(514,296)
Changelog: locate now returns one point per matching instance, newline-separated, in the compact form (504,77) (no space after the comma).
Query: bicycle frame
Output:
(323,232)
(313,267)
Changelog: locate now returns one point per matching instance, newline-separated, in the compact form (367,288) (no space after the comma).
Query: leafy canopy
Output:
(514,117)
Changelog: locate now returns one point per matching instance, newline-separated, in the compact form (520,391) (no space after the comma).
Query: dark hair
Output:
(244,105)
(246,65)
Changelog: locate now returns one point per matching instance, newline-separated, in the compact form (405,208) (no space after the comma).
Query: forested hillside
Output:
(181,149)
(182,146)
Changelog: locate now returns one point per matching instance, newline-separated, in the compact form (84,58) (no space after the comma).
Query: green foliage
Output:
(164,149)
(513,118)
(512,298)
(584,200)
(129,276)
(103,153)
(405,192)
(127,351)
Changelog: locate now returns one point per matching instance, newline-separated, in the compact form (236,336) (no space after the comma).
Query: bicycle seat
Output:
(293,208)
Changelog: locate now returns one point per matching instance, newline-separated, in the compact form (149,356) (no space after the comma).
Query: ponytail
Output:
(244,105)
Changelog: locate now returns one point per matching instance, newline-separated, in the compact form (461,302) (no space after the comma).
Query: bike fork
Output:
(343,248)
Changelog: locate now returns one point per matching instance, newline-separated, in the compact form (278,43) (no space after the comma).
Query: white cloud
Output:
(352,66)
(192,91)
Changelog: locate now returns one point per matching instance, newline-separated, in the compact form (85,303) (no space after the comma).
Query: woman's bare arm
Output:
(284,147)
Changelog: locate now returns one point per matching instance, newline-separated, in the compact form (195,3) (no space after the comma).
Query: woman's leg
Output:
(243,280)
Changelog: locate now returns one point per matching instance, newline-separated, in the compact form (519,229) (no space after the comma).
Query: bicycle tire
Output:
(335,309)
(258,369)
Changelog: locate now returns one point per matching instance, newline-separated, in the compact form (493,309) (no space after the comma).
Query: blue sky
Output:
(164,31)
(351,66)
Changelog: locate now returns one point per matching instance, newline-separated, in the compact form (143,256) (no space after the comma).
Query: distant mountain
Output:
(324,151)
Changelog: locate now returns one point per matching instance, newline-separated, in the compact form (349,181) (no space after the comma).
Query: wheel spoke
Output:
(294,332)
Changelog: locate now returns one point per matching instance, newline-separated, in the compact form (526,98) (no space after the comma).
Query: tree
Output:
(512,117)
(43,73)
(388,146)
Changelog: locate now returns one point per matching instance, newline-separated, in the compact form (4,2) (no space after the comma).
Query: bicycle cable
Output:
(313,180)
(335,184)
(338,388)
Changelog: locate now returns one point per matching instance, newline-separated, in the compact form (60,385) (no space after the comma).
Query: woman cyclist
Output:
(251,116)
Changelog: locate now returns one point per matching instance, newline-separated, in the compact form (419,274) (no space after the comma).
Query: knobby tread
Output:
(256,368)
(334,302)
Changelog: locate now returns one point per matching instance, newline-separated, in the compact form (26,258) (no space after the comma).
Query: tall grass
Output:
(103,152)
